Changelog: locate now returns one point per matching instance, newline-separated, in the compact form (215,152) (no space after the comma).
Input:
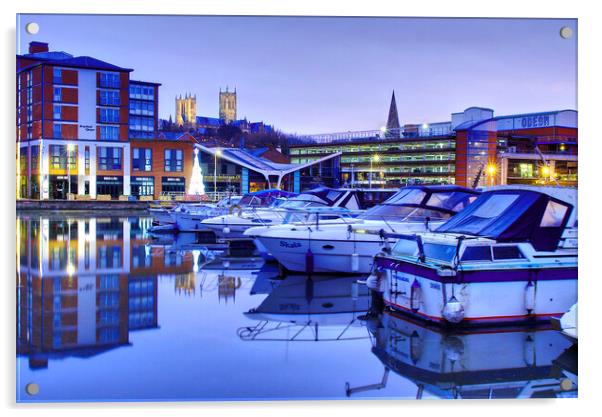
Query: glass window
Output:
(109,80)
(495,205)
(56,131)
(554,215)
(109,132)
(109,115)
(477,253)
(57,75)
(57,112)
(57,94)
(507,252)
(440,252)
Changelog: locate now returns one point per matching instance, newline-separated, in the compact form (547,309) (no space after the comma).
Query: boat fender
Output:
(453,311)
(453,347)
(375,280)
(309,261)
(355,290)
(416,347)
(355,262)
(415,296)
(530,297)
(226,230)
(529,351)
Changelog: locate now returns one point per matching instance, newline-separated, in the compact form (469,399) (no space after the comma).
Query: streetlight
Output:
(218,152)
(545,171)
(374,158)
(70,149)
(491,170)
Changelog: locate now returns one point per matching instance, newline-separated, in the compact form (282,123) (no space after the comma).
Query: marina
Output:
(94,289)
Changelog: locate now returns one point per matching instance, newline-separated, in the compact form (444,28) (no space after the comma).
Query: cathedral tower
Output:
(186,110)
(227,105)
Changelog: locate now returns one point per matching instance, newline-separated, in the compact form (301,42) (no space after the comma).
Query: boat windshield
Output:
(302,201)
(433,251)
(410,205)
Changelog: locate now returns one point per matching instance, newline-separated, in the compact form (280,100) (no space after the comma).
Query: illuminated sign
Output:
(535,121)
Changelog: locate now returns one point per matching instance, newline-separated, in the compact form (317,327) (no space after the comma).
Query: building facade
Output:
(473,148)
(227,105)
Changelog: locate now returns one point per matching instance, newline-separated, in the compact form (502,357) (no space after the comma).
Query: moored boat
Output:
(511,256)
(234,225)
(349,246)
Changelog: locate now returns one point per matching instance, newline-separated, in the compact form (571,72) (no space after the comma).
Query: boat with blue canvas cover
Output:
(350,246)
(511,256)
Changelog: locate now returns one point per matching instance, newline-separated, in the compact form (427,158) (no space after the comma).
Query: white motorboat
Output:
(190,220)
(234,225)
(485,364)
(187,217)
(511,256)
(349,245)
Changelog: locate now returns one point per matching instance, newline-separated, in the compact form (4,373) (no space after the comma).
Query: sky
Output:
(309,75)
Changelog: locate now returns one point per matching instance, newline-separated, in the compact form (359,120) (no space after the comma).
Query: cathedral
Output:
(227,106)
(186,110)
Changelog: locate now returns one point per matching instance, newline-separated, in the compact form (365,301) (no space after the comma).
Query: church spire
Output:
(393,129)
(393,119)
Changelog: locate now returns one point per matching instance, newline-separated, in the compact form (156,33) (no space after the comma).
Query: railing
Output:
(388,134)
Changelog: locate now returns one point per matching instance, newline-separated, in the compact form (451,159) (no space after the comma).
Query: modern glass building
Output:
(473,148)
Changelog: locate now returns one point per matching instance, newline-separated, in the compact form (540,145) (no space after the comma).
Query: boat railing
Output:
(309,331)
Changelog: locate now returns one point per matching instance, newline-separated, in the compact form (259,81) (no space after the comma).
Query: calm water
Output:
(105,313)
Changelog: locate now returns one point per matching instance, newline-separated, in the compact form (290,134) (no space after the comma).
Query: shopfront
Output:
(112,186)
(142,186)
(59,186)
(173,185)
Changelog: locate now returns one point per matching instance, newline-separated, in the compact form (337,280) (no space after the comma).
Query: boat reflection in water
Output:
(487,363)
(84,283)
(305,308)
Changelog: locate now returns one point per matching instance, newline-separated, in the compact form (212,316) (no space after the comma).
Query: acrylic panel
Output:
(226,208)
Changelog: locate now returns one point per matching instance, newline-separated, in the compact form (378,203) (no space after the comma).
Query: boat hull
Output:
(329,256)
(487,296)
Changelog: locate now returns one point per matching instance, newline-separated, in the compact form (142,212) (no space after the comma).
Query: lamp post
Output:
(217,153)
(70,149)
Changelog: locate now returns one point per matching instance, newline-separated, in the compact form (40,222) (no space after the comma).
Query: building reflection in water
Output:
(305,308)
(485,363)
(84,283)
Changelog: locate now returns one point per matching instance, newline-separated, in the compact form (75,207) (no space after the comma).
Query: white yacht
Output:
(349,245)
(190,220)
(511,256)
(234,225)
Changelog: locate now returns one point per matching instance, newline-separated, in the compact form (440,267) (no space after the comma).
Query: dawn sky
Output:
(318,75)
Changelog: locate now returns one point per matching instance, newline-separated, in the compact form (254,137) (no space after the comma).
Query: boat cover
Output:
(513,216)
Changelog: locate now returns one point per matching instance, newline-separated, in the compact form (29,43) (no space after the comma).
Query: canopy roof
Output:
(515,215)
(258,164)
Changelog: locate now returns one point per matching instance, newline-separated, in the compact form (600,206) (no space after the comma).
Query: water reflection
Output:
(302,308)
(83,285)
(486,363)
(99,300)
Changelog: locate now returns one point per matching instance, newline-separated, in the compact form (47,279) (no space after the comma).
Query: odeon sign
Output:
(535,121)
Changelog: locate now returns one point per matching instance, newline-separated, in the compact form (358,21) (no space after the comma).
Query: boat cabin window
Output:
(554,214)
(439,252)
(334,195)
(403,213)
(413,196)
(507,252)
(487,213)
(477,253)
(455,201)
